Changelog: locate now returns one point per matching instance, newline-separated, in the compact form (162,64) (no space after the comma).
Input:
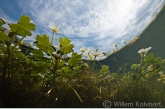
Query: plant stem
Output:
(6,63)
(140,72)
(54,73)
(52,41)
(92,68)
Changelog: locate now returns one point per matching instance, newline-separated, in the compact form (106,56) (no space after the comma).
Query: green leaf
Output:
(81,67)
(61,63)
(84,66)
(19,30)
(17,54)
(135,66)
(25,23)
(64,41)
(59,71)
(1,23)
(149,58)
(49,50)
(24,27)
(114,75)
(40,46)
(66,47)
(104,69)
(3,36)
(77,68)
(3,49)
(44,39)
(38,53)
(75,59)
(46,49)
(66,69)
(41,64)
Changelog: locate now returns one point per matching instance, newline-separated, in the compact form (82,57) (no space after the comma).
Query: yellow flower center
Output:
(114,51)
(82,50)
(96,55)
(55,30)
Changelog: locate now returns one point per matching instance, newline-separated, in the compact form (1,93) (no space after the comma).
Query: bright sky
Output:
(88,23)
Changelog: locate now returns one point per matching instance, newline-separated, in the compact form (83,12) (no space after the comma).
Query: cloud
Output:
(6,17)
(96,23)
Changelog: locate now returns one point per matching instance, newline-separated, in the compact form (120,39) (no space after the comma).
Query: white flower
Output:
(54,27)
(115,45)
(90,50)
(123,41)
(143,52)
(97,53)
(82,50)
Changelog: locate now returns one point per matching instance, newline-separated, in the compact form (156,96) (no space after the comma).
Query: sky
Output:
(88,23)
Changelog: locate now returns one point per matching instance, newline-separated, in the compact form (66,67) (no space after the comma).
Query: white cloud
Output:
(100,22)
(5,17)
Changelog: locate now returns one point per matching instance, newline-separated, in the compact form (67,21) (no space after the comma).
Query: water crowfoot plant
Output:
(143,53)
(23,28)
(123,42)
(115,45)
(56,76)
(55,29)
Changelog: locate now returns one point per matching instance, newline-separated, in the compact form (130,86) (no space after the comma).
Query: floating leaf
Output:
(25,23)
(3,49)
(84,66)
(3,36)
(44,39)
(114,75)
(17,54)
(19,30)
(61,63)
(77,68)
(104,70)
(66,69)
(38,53)
(149,58)
(81,67)
(75,59)
(46,49)
(134,66)
(24,27)
(66,47)
(43,44)
(1,23)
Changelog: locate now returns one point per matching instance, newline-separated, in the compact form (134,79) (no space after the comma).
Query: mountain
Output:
(153,35)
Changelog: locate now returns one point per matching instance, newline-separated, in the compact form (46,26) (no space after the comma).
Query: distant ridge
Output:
(153,35)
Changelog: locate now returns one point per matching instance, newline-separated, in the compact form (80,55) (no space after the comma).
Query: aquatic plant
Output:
(115,45)
(123,42)
(55,28)
(48,76)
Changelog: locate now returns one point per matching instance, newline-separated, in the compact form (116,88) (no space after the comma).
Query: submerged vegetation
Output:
(44,75)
